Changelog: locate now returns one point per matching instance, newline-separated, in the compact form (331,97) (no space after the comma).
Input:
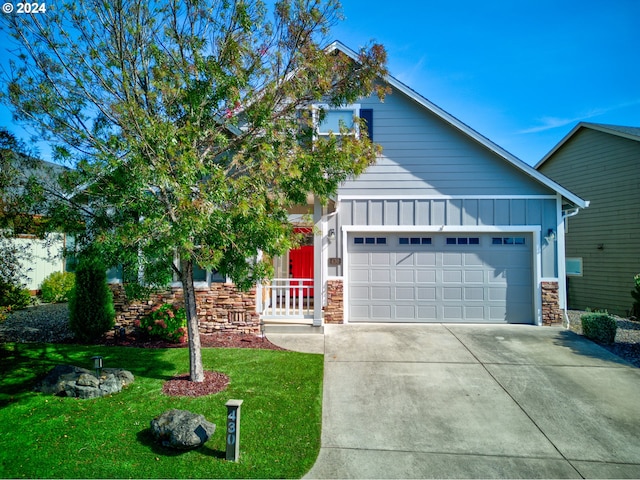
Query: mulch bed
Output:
(180,385)
(216,340)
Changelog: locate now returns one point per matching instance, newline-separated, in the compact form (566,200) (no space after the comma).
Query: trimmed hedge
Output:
(599,327)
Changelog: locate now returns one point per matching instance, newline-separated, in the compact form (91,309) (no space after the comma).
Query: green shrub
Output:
(14,297)
(167,321)
(91,310)
(599,327)
(57,287)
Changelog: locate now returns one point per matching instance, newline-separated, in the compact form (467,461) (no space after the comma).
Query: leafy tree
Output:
(189,128)
(16,207)
(22,177)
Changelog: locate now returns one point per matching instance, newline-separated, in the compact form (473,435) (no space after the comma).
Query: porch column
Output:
(318,287)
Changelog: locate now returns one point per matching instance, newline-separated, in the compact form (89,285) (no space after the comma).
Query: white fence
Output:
(286,298)
(42,258)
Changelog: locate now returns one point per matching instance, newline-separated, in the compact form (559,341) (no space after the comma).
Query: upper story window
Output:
(334,119)
(347,115)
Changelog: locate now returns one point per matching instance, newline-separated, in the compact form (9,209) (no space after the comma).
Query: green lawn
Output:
(52,437)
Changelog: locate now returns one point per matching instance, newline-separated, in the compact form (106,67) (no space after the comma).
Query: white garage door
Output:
(440,278)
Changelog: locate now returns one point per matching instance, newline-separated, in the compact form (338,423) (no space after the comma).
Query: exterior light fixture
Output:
(551,235)
(332,234)
(97,364)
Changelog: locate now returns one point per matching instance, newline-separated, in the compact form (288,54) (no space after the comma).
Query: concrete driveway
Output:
(463,401)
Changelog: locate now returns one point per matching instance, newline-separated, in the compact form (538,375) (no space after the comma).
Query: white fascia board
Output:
(446,197)
(463,127)
(441,228)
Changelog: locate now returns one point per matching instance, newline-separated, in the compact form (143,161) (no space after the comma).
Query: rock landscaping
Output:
(181,429)
(70,381)
(627,339)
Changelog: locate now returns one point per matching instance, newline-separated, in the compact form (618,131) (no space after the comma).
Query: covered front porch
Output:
(297,295)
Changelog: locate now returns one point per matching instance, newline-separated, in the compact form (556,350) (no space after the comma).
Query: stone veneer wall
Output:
(334,311)
(552,314)
(221,307)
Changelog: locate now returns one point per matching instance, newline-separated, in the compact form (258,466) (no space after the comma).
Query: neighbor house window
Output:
(573,266)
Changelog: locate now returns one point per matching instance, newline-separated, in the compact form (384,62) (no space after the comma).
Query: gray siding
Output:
(424,155)
(450,212)
(604,169)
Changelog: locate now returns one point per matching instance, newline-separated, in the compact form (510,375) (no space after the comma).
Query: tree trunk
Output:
(196,371)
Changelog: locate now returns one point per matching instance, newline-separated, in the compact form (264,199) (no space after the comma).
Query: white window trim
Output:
(354,107)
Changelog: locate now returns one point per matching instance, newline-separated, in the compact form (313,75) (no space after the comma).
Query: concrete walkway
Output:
(462,401)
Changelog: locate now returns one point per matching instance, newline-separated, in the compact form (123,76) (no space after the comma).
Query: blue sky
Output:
(520,72)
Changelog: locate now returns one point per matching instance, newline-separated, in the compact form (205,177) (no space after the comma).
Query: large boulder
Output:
(70,381)
(181,429)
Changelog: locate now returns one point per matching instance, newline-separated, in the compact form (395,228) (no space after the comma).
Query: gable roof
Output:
(465,129)
(631,133)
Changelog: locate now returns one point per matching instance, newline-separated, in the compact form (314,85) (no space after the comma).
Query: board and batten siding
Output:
(424,155)
(605,169)
(473,213)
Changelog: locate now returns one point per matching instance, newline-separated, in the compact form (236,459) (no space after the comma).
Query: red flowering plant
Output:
(166,321)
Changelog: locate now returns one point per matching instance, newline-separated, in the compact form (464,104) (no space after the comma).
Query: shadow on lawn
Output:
(145,437)
(23,364)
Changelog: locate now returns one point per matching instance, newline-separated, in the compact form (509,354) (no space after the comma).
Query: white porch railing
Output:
(286,298)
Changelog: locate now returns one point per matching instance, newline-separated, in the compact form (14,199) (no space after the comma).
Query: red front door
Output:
(301,266)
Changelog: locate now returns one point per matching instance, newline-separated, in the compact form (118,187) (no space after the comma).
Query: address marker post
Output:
(233,429)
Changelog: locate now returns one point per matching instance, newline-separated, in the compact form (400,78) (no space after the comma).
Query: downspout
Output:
(569,213)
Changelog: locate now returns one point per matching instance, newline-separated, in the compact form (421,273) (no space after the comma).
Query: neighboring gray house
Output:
(602,163)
